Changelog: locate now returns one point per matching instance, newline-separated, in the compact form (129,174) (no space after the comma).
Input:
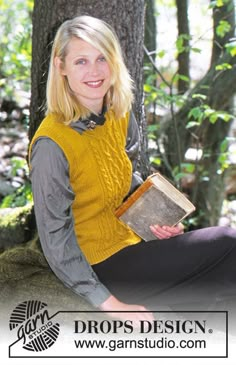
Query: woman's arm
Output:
(132,150)
(53,197)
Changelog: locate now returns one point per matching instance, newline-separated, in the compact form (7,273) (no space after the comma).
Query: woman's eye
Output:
(102,59)
(80,62)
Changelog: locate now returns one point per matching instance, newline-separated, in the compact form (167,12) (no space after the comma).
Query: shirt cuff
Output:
(98,296)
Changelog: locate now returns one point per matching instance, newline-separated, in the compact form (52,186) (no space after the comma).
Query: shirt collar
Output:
(89,123)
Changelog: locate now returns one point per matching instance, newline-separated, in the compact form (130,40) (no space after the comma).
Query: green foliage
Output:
(169,3)
(17,163)
(223,67)
(160,94)
(180,43)
(204,112)
(223,28)
(180,172)
(23,195)
(223,159)
(183,44)
(231,47)
(218,3)
(15,45)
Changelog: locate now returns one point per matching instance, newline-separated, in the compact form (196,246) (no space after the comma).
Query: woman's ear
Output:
(59,65)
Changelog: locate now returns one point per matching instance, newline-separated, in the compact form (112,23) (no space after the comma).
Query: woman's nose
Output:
(94,69)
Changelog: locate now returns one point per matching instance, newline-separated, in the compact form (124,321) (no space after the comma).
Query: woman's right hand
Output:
(132,312)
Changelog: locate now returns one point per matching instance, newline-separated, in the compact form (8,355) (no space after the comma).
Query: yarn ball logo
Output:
(34,325)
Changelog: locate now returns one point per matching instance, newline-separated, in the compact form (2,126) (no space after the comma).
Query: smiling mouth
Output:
(94,84)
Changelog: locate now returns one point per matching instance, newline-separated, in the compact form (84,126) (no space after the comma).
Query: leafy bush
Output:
(15,45)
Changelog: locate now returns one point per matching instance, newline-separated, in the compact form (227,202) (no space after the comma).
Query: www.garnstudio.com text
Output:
(162,343)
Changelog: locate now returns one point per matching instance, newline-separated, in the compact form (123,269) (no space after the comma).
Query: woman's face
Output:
(87,72)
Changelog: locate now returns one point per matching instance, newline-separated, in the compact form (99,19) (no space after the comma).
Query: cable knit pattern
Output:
(100,175)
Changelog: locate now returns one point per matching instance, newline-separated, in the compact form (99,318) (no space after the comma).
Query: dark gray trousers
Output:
(190,271)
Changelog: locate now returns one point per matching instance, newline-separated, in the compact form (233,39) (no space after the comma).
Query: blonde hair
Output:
(60,99)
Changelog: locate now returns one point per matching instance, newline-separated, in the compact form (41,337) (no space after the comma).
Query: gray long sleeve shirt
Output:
(53,197)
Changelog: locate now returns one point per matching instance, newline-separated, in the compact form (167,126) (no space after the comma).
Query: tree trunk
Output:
(127,18)
(183,57)
(150,45)
(218,87)
(212,192)
(150,27)
(225,13)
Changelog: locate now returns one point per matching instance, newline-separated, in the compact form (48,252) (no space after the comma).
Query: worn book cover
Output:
(156,201)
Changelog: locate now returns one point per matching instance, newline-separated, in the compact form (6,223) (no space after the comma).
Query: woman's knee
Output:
(225,234)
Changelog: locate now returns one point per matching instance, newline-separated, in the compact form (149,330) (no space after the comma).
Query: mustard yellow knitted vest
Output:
(100,175)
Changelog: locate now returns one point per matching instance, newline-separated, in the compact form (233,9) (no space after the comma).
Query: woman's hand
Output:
(167,231)
(139,312)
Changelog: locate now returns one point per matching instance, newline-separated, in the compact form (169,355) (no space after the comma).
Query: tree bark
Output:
(183,57)
(226,13)
(127,18)
(218,87)
(150,27)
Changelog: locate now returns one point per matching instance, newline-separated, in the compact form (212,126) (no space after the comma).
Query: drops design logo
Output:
(34,326)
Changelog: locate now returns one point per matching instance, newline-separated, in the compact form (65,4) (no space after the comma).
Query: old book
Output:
(156,201)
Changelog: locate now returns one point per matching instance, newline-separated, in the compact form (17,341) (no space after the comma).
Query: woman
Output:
(82,167)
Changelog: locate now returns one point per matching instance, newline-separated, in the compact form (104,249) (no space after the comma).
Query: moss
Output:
(17,225)
(26,275)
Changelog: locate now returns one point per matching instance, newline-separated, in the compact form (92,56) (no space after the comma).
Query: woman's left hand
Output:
(167,231)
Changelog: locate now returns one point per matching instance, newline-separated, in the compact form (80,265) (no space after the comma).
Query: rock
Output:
(232,206)
(17,225)
(224,222)
(5,188)
(26,275)
(230,180)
